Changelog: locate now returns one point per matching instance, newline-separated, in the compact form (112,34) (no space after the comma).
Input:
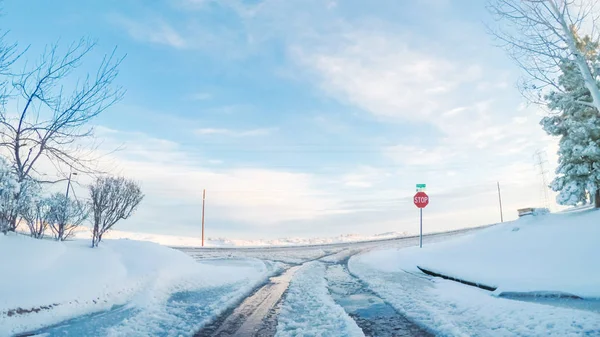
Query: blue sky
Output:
(304,118)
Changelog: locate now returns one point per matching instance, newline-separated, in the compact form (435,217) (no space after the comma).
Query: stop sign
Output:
(421,199)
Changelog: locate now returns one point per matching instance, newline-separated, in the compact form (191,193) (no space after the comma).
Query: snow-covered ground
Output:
(187,241)
(551,253)
(309,310)
(45,282)
(135,288)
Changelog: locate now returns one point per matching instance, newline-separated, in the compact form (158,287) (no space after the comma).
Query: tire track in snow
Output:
(230,323)
(254,316)
(373,315)
(257,314)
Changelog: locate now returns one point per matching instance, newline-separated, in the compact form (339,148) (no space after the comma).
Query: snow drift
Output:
(45,282)
(555,253)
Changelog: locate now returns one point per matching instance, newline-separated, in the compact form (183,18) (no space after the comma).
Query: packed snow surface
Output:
(50,281)
(556,253)
(309,310)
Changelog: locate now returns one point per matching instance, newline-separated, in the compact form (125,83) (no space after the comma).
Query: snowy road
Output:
(316,282)
(256,315)
(330,290)
(347,289)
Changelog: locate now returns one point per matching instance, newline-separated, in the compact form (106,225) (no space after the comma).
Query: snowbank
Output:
(555,253)
(45,282)
(448,308)
(309,310)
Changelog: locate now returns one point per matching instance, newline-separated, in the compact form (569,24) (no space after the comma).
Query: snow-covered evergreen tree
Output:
(15,197)
(578,126)
(9,187)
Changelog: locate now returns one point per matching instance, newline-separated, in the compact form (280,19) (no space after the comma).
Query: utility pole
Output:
(69,183)
(500,201)
(203,203)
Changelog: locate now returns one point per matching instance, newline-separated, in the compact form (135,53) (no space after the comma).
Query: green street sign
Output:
(421,185)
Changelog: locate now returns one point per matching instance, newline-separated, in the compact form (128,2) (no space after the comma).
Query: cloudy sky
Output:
(304,118)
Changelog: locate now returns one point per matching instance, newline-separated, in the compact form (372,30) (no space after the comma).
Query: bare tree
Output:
(9,54)
(112,199)
(53,118)
(540,34)
(38,217)
(66,215)
(51,121)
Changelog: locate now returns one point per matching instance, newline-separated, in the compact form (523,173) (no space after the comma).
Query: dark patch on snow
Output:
(268,326)
(21,311)
(470,283)
(539,294)
(555,299)
(373,315)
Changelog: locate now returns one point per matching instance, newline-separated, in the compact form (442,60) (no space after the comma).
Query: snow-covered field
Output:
(46,282)
(187,241)
(552,253)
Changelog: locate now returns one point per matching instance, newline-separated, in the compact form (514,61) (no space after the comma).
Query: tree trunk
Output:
(597,199)
(580,60)
(12,225)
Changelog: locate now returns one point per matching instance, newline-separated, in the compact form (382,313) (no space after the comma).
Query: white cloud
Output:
(520,120)
(190,4)
(187,34)
(169,176)
(235,133)
(365,177)
(154,31)
(454,111)
(383,71)
(417,156)
(201,96)
(263,202)
(380,73)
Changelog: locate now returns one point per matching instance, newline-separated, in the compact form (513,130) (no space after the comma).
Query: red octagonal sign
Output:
(421,199)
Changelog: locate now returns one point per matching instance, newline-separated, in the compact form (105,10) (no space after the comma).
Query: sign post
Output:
(420,228)
(203,202)
(421,200)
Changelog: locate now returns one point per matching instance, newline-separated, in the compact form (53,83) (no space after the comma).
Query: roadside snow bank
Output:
(45,282)
(448,308)
(555,253)
(309,310)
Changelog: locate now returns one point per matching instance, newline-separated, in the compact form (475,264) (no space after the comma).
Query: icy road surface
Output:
(314,295)
(329,290)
